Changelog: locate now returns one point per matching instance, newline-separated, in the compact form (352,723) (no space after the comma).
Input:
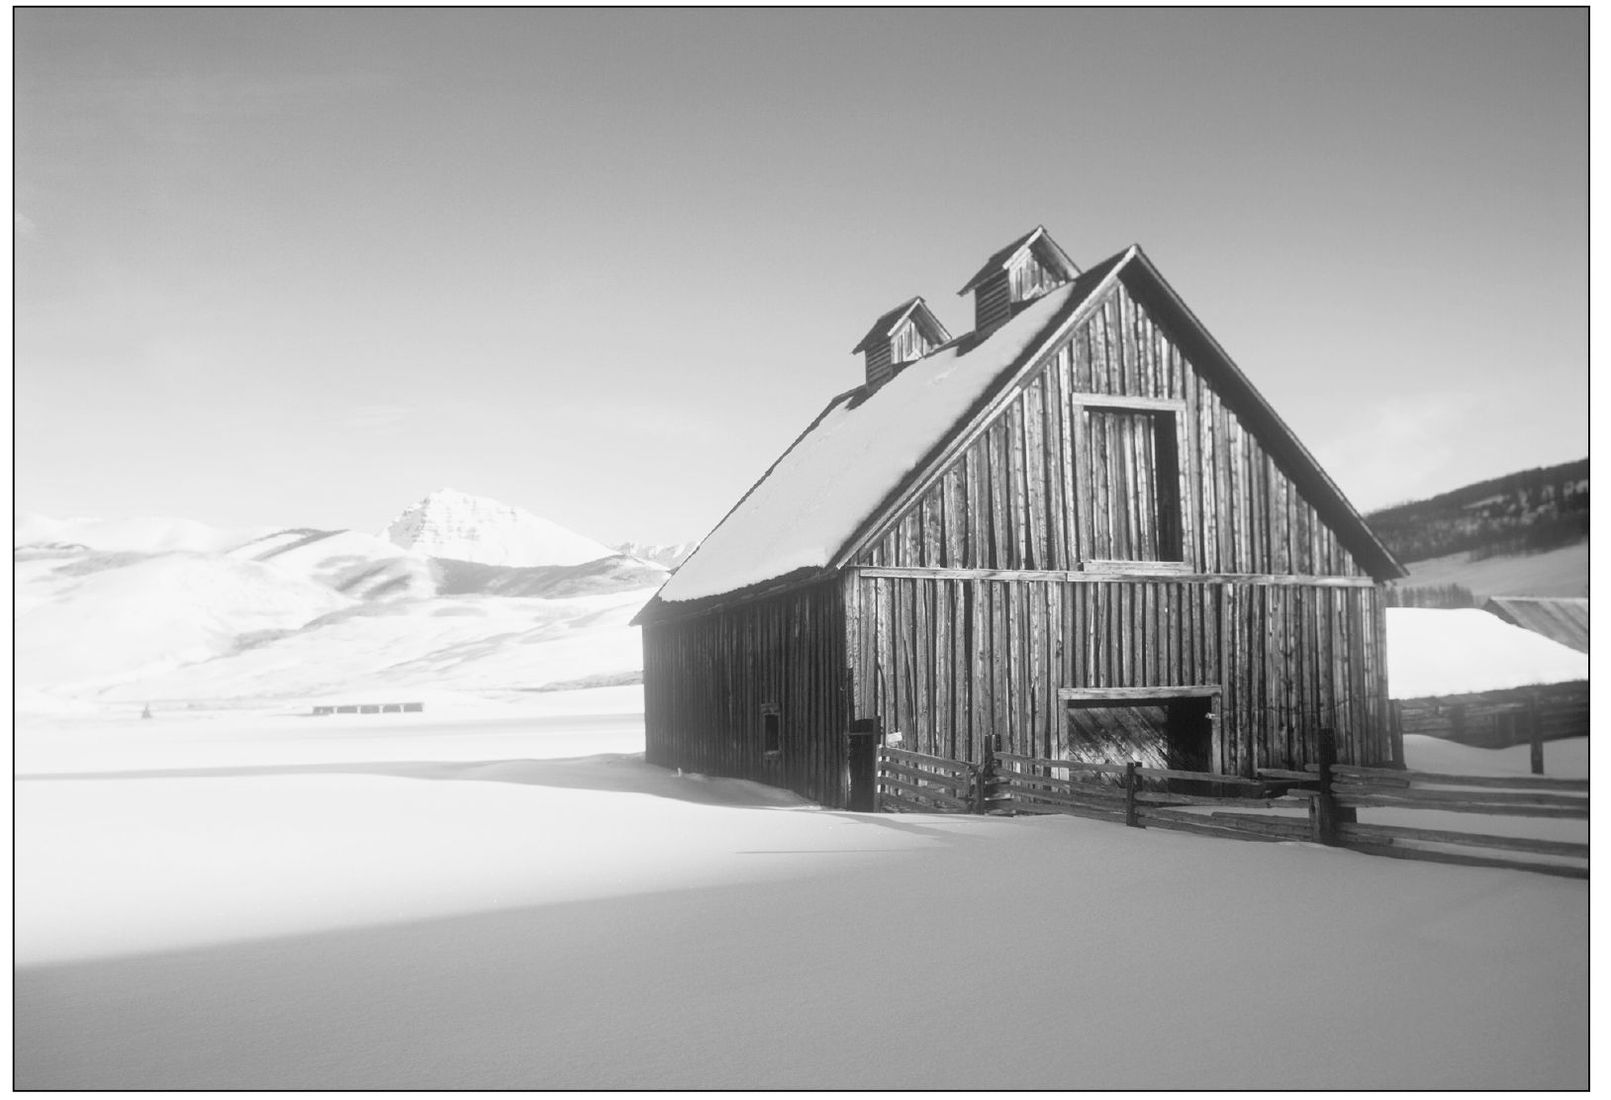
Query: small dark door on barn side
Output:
(1175,733)
(866,734)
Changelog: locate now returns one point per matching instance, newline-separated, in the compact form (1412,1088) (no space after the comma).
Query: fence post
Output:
(1130,781)
(1535,734)
(983,775)
(1323,813)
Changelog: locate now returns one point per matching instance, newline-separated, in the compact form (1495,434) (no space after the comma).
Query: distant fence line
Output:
(1499,719)
(369,708)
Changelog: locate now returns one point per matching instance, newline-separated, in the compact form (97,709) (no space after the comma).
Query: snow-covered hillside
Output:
(146,534)
(417,650)
(353,563)
(115,619)
(450,524)
(669,555)
(175,613)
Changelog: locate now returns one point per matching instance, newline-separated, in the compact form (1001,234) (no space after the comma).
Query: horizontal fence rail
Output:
(913,782)
(1352,787)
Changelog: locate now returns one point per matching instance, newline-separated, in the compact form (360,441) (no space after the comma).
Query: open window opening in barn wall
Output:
(1135,484)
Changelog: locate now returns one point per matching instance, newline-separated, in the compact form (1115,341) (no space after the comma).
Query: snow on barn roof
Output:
(859,453)
(816,496)
(1441,652)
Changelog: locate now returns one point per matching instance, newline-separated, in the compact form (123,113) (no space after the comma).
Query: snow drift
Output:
(522,903)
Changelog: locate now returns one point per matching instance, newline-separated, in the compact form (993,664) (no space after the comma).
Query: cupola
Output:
(903,335)
(1015,276)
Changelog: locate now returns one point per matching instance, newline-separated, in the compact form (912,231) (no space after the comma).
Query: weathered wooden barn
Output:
(1078,527)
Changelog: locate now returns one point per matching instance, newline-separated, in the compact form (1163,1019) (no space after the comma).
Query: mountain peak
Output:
(450,524)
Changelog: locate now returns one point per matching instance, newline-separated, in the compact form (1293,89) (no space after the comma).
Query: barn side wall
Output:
(707,678)
(949,660)
(1025,494)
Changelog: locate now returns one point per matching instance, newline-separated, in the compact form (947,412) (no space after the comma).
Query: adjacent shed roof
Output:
(1561,620)
(850,467)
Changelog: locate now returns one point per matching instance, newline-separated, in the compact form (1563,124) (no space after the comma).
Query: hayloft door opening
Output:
(1157,727)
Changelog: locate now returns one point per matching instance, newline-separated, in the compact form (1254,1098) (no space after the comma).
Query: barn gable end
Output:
(1113,448)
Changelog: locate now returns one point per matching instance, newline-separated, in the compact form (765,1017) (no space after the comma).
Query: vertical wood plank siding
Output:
(706,677)
(1059,480)
(907,344)
(1238,511)
(947,661)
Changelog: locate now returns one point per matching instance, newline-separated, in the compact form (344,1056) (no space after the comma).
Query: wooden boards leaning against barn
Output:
(1109,548)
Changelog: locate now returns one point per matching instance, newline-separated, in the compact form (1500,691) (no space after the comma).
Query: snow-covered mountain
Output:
(479,597)
(669,555)
(450,524)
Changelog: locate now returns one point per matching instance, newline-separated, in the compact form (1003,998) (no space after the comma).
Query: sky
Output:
(303,266)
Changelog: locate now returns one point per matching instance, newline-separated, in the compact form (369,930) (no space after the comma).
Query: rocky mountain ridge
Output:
(455,525)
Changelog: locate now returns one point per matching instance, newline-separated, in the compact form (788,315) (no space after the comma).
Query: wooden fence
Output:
(1350,788)
(1228,806)
(910,781)
(1497,719)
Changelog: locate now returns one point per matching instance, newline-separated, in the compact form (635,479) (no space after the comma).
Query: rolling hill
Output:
(179,614)
(1524,534)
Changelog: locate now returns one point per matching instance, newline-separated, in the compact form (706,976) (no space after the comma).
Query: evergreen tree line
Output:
(1432,595)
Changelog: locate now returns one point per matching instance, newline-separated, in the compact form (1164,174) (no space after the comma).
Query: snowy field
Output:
(506,896)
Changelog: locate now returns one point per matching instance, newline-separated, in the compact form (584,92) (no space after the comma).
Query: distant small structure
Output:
(1558,619)
(320,710)
(146,713)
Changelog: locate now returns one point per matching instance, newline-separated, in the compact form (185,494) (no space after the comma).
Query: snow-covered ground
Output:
(505,895)
(499,892)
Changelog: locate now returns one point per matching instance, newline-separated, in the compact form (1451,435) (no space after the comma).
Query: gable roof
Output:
(867,454)
(919,311)
(1003,256)
(1204,352)
(1560,620)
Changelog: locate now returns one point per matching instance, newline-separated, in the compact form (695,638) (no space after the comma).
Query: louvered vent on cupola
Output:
(902,336)
(1017,275)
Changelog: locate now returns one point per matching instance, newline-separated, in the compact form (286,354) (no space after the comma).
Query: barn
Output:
(1078,528)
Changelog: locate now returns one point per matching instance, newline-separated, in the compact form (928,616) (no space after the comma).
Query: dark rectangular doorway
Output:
(1154,729)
